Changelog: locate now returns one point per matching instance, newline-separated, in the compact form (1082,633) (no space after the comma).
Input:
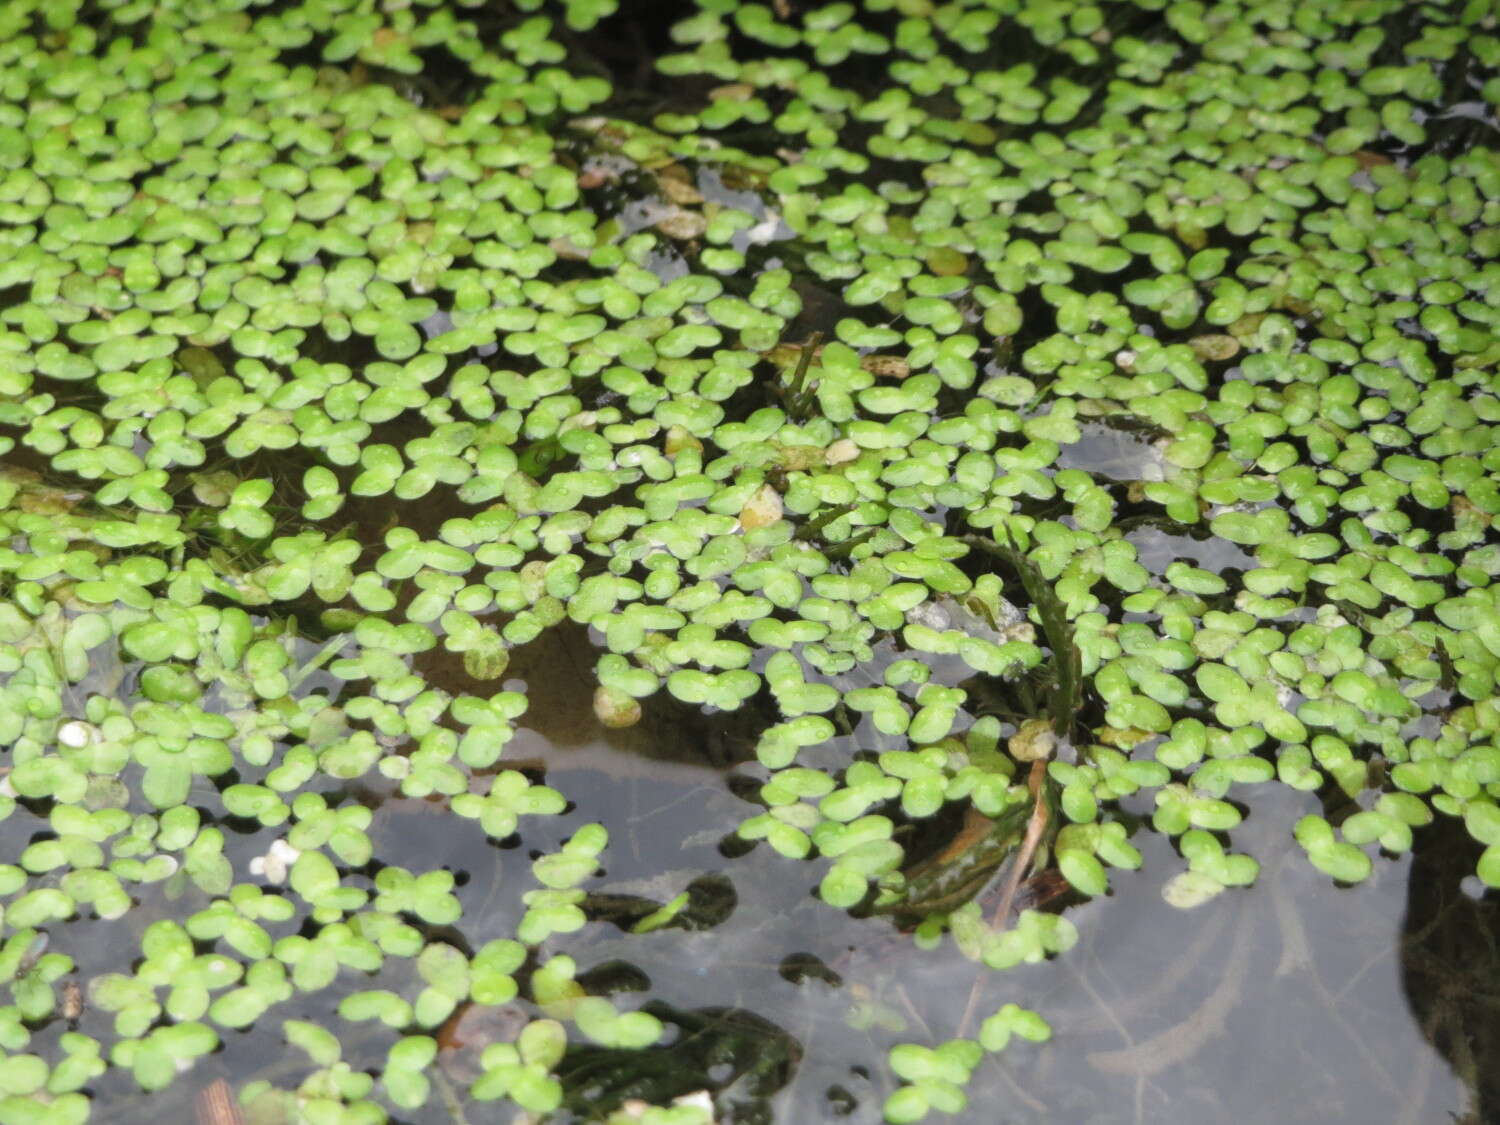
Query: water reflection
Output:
(740,1057)
(1291,986)
(560,731)
(1156,547)
(1115,449)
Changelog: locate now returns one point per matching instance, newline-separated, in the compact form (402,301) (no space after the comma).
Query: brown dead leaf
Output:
(733,92)
(676,184)
(1214,346)
(215,1105)
(886,366)
(683,225)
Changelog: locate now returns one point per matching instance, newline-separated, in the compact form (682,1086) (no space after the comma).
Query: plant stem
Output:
(799,394)
(1036,828)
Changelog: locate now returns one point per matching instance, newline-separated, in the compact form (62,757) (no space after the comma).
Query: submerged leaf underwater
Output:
(575,560)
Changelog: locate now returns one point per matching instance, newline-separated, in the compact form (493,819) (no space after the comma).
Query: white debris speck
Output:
(274,864)
(699,1099)
(767,230)
(75,735)
(635,1108)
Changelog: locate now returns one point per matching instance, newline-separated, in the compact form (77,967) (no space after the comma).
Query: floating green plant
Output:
(350,352)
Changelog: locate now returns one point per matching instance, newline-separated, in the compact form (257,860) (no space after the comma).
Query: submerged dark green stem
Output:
(1067,687)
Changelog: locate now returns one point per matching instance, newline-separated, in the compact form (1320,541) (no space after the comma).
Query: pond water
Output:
(1280,1002)
(1274,1004)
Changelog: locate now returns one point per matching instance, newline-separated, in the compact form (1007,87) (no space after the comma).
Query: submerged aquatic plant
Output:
(350,351)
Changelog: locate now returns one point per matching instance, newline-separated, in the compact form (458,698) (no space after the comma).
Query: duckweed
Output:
(341,339)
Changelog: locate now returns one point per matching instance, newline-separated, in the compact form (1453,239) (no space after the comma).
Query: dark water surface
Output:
(1289,1001)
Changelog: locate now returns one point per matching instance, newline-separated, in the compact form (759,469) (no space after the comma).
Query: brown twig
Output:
(1036,827)
(1041,816)
(215,1105)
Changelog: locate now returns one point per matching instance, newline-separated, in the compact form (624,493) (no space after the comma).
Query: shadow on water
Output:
(1450,961)
(561,731)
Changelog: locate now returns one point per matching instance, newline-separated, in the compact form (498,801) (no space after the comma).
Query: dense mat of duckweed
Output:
(350,347)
